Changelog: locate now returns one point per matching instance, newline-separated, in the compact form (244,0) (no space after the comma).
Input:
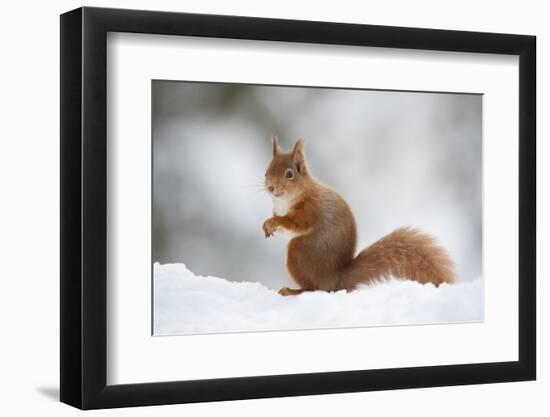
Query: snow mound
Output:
(188,304)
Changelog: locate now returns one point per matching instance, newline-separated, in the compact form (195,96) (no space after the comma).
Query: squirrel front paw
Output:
(270,226)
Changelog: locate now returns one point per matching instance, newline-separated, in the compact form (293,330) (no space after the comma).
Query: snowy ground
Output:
(188,304)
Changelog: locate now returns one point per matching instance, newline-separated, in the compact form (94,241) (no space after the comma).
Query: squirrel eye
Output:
(289,174)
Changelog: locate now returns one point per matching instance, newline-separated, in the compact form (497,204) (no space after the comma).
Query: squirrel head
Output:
(287,173)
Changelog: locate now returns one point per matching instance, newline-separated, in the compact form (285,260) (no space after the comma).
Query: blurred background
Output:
(397,158)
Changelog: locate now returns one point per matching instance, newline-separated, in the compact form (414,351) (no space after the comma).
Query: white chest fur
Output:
(281,206)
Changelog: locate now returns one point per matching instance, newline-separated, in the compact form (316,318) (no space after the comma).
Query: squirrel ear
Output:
(275,144)
(298,154)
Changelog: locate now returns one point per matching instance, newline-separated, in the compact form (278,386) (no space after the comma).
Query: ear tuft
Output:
(275,144)
(298,154)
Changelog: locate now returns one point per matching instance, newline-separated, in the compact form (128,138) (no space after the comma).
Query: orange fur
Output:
(321,255)
(404,253)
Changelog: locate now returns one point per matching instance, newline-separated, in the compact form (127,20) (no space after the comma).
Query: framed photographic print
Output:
(257,207)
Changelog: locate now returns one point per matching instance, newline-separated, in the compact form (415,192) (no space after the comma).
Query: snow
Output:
(185,303)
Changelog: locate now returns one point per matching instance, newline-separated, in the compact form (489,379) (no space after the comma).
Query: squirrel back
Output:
(321,253)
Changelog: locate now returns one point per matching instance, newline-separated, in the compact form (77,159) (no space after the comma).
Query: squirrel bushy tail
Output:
(404,253)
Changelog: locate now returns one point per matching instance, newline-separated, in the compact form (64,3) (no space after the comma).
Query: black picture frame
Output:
(84,207)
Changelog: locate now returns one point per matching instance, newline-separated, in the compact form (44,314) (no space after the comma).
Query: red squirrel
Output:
(321,252)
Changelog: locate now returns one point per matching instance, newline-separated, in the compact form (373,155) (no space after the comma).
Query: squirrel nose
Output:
(271,188)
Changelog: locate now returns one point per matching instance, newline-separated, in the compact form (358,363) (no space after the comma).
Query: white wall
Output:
(29,172)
